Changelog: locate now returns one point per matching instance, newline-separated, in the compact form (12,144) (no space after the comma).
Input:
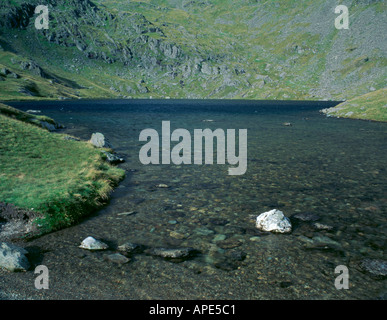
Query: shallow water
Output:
(334,168)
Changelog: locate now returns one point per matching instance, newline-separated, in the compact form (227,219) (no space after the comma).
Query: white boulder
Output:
(92,244)
(98,140)
(273,221)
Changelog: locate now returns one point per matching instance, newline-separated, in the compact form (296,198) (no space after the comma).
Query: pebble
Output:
(321,226)
(203,231)
(218,221)
(177,235)
(285,284)
(129,213)
(172,253)
(229,243)
(236,255)
(325,240)
(219,237)
(225,265)
(306,216)
(117,258)
(129,247)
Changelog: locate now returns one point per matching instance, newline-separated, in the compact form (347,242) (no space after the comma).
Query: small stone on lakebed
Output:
(116,258)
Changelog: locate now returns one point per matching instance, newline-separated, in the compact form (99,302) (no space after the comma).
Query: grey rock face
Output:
(13,257)
(34,68)
(8,73)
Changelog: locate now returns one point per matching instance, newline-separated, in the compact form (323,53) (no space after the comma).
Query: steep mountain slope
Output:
(192,49)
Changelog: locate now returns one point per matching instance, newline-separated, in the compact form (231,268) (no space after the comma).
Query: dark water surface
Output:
(334,168)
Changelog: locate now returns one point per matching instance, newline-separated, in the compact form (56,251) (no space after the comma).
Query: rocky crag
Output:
(192,49)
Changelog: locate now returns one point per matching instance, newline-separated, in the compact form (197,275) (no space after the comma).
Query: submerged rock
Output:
(116,258)
(172,253)
(129,248)
(226,265)
(325,244)
(322,226)
(203,231)
(326,240)
(306,216)
(162,185)
(273,221)
(92,244)
(13,257)
(229,243)
(375,267)
(236,255)
(128,213)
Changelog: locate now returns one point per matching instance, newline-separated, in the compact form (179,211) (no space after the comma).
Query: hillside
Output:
(368,106)
(246,49)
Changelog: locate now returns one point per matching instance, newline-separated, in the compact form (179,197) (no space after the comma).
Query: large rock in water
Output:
(13,257)
(273,221)
(98,140)
(93,244)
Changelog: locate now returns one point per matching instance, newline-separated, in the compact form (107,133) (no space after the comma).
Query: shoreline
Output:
(329,112)
(205,210)
(52,210)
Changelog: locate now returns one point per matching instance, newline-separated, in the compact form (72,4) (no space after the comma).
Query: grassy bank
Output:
(25,117)
(370,106)
(62,180)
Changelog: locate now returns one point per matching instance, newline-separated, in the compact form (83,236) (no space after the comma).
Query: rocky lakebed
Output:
(313,198)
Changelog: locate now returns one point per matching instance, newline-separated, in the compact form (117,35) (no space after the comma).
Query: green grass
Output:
(24,116)
(370,106)
(62,180)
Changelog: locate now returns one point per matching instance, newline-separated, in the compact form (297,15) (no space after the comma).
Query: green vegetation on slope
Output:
(63,180)
(24,116)
(370,106)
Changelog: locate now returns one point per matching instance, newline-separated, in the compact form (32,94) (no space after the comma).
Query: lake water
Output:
(333,168)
